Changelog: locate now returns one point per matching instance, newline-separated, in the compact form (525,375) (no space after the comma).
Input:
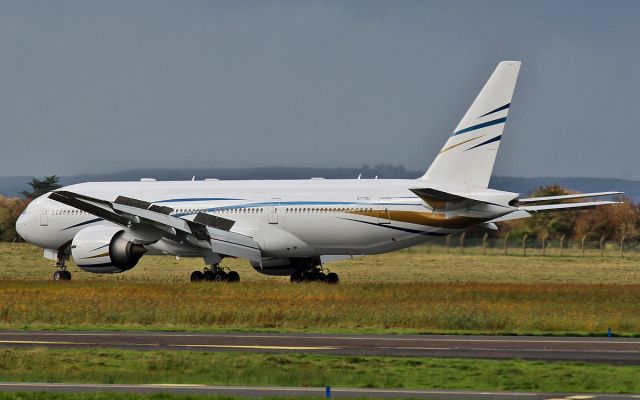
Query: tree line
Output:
(611,222)
(11,208)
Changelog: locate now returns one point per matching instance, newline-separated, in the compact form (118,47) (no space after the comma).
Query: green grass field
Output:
(410,291)
(121,396)
(419,290)
(112,396)
(122,366)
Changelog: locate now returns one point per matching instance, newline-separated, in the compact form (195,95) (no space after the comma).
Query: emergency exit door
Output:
(274,209)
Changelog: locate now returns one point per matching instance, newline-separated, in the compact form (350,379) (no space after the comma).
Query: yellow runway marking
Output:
(45,342)
(395,339)
(179,385)
(231,346)
(32,342)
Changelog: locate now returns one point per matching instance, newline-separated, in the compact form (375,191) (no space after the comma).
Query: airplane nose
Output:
(20,227)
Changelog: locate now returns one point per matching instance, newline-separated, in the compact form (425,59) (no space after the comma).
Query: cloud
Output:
(104,86)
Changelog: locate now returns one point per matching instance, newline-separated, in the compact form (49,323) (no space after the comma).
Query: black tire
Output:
(196,276)
(59,276)
(233,276)
(296,277)
(67,275)
(321,277)
(220,276)
(332,278)
(208,276)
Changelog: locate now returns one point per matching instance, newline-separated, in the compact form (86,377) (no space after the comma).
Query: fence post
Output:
(484,243)
(462,243)
(602,246)
(544,245)
(622,246)
(524,245)
(562,245)
(582,245)
(506,240)
(448,243)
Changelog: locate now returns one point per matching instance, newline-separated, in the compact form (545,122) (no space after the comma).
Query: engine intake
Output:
(105,250)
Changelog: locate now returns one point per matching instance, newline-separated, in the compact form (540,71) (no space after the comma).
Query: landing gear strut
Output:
(315,274)
(61,274)
(215,273)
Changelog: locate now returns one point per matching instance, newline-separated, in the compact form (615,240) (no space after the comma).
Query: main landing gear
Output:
(315,274)
(61,274)
(215,273)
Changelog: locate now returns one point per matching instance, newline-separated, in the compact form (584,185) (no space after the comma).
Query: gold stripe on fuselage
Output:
(422,218)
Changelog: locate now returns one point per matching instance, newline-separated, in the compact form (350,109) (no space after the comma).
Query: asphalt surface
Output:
(601,349)
(297,392)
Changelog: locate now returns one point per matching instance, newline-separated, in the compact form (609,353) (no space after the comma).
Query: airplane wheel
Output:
(220,276)
(233,276)
(58,276)
(296,277)
(67,275)
(196,276)
(208,276)
(332,278)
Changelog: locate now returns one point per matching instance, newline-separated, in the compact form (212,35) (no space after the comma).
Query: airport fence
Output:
(532,246)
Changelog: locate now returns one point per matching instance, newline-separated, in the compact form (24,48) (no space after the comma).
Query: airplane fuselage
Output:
(299,218)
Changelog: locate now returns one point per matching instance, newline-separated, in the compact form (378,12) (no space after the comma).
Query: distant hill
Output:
(11,186)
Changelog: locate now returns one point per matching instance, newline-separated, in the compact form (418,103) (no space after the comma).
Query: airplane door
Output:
(274,206)
(383,212)
(44,217)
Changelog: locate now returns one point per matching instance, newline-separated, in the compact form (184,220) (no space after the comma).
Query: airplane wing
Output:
(205,228)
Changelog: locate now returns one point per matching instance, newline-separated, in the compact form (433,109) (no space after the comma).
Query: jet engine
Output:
(105,250)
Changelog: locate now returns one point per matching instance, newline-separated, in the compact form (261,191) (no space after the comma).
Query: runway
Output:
(600,349)
(298,392)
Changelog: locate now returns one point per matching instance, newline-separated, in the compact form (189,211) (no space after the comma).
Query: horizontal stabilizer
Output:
(511,216)
(566,197)
(434,194)
(566,206)
(437,199)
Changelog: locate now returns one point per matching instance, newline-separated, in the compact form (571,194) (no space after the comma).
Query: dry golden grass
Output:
(392,307)
(408,291)
(419,264)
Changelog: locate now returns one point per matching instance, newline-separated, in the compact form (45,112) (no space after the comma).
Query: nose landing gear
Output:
(61,274)
(215,273)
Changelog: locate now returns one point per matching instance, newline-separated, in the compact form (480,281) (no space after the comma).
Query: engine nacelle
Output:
(105,250)
(284,266)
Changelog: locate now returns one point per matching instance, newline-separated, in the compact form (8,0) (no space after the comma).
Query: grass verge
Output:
(351,307)
(123,366)
(116,396)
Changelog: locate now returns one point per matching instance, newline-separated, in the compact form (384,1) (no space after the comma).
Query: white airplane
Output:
(289,227)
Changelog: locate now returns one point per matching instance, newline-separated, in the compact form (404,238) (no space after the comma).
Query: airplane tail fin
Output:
(468,156)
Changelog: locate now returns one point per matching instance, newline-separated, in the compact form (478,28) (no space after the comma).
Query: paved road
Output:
(612,350)
(297,392)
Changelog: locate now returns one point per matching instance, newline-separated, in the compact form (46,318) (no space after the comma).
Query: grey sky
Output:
(104,86)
